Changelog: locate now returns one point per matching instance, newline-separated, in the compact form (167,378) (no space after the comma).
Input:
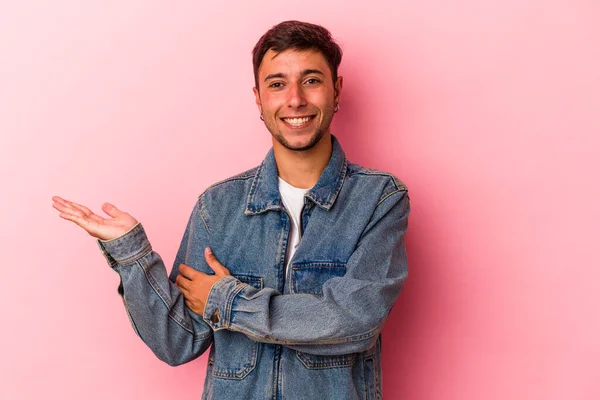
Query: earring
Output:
(337,107)
(261,117)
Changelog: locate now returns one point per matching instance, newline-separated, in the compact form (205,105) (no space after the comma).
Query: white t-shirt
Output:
(293,200)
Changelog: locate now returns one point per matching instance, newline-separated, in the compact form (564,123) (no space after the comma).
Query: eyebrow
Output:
(303,73)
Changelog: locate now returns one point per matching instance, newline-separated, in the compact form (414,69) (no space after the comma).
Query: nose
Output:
(295,97)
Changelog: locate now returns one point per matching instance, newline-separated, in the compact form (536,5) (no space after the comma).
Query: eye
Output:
(276,85)
(313,81)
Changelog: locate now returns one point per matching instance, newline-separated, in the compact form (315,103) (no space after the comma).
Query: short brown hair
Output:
(298,36)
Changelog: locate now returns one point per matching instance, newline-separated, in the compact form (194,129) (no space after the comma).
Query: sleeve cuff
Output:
(127,248)
(217,311)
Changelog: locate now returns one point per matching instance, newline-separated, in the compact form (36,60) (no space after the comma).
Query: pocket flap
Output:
(310,277)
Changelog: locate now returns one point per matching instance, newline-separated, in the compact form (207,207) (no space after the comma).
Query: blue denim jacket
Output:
(313,334)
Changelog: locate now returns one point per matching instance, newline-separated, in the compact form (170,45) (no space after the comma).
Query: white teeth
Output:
(297,121)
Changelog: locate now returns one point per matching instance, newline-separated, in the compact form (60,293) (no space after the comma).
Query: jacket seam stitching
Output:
(347,339)
(338,185)
(388,195)
(163,300)
(399,185)
(255,182)
(147,249)
(198,338)
(240,177)
(229,305)
(202,212)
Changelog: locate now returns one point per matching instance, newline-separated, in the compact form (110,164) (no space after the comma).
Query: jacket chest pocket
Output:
(235,355)
(309,277)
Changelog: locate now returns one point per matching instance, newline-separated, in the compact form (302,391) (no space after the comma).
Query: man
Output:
(290,269)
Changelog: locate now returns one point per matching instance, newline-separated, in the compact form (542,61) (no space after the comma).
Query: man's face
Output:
(296,97)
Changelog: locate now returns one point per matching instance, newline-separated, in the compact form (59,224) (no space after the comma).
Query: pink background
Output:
(488,110)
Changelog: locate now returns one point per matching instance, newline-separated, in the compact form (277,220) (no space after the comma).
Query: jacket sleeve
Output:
(350,313)
(155,305)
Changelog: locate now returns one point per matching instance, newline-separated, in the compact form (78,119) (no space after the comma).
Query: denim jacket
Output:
(313,334)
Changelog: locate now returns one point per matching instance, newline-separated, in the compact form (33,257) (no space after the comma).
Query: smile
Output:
(298,122)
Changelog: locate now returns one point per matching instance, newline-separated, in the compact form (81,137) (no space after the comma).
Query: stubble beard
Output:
(315,138)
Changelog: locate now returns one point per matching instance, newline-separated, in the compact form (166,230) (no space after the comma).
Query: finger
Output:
(111,210)
(58,199)
(187,271)
(189,305)
(70,213)
(67,208)
(88,213)
(76,208)
(81,221)
(182,283)
(61,207)
(197,308)
(214,264)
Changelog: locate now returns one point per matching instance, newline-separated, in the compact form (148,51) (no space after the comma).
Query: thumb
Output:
(111,210)
(214,264)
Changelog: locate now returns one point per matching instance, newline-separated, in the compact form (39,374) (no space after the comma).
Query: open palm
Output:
(98,227)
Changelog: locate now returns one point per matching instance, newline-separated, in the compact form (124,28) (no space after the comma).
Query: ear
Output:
(338,89)
(257,99)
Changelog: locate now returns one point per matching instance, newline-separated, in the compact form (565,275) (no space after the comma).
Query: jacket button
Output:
(215,317)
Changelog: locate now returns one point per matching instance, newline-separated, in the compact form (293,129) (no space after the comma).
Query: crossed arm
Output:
(196,285)
(352,309)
